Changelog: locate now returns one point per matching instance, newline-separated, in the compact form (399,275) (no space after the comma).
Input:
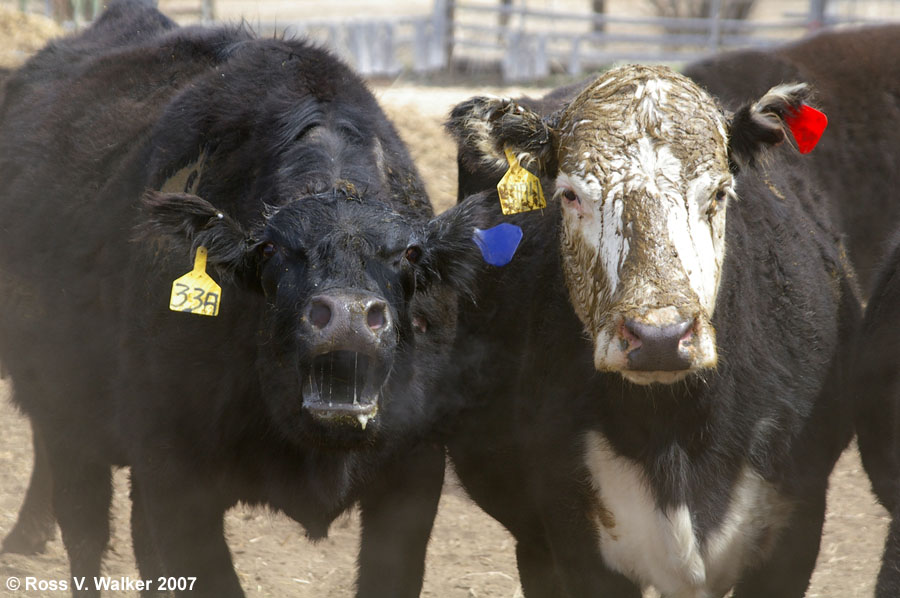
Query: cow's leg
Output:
(889,575)
(397,517)
(185,516)
(536,571)
(82,493)
(580,566)
(786,571)
(145,554)
(566,504)
(877,426)
(36,524)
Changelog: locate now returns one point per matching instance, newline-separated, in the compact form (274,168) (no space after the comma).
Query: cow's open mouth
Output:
(343,385)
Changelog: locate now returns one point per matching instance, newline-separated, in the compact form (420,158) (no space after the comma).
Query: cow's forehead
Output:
(631,103)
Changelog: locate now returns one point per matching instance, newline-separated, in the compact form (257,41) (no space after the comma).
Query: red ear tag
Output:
(807,125)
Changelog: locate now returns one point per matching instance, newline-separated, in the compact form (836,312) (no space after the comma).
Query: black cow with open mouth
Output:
(321,303)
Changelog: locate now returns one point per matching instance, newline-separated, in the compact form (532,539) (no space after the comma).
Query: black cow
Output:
(649,381)
(137,148)
(35,524)
(876,385)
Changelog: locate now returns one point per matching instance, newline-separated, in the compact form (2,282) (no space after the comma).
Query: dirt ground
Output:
(22,34)
(470,555)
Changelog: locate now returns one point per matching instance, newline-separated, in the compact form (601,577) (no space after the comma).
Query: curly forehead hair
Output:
(636,101)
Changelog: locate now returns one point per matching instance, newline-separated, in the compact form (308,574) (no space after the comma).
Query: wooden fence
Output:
(525,43)
(531,44)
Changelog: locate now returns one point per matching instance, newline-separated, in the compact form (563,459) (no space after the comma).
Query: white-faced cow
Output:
(649,379)
(135,146)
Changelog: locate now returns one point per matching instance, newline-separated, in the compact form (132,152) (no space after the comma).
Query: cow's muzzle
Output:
(655,346)
(351,338)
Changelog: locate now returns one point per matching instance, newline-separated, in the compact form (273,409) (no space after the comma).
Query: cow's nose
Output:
(657,348)
(344,316)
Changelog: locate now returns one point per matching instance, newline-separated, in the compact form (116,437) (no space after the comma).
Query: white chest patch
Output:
(659,549)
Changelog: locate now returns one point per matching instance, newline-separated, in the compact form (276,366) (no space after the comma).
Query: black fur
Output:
(876,386)
(785,305)
(302,187)
(857,81)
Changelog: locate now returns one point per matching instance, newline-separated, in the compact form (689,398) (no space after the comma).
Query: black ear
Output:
(757,127)
(485,127)
(185,222)
(449,254)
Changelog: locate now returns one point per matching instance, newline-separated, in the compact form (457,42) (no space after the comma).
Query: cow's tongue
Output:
(341,385)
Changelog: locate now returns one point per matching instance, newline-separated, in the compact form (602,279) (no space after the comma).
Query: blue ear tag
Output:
(498,244)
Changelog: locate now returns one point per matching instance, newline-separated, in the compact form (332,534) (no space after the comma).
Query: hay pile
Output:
(431,149)
(21,35)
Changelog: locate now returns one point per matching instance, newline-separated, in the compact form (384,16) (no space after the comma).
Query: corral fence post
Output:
(816,14)
(441,46)
(525,57)
(715,25)
(373,47)
(207,11)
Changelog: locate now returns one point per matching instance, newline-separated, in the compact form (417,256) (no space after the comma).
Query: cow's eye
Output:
(570,196)
(413,254)
(715,206)
(267,250)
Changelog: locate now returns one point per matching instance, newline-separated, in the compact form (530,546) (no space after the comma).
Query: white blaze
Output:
(659,548)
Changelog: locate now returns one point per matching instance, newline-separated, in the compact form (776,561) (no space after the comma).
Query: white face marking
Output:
(659,549)
(598,224)
(646,153)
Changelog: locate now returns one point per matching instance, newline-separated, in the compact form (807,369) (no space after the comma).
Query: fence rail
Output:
(527,43)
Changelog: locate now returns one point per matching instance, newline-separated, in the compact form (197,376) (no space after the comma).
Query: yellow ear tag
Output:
(519,190)
(196,292)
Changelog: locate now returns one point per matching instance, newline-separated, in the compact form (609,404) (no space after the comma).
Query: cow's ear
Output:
(756,127)
(449,254)
(185,222)
(485,127)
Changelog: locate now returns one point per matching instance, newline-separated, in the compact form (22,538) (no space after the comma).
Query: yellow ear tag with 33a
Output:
(519,190)
(196,292)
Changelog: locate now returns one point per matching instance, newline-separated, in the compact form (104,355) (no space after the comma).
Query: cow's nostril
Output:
(375,317)
(319,314)
(630,334)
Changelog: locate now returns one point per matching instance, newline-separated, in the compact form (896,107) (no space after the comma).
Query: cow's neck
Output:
(665,432)
(691,548)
